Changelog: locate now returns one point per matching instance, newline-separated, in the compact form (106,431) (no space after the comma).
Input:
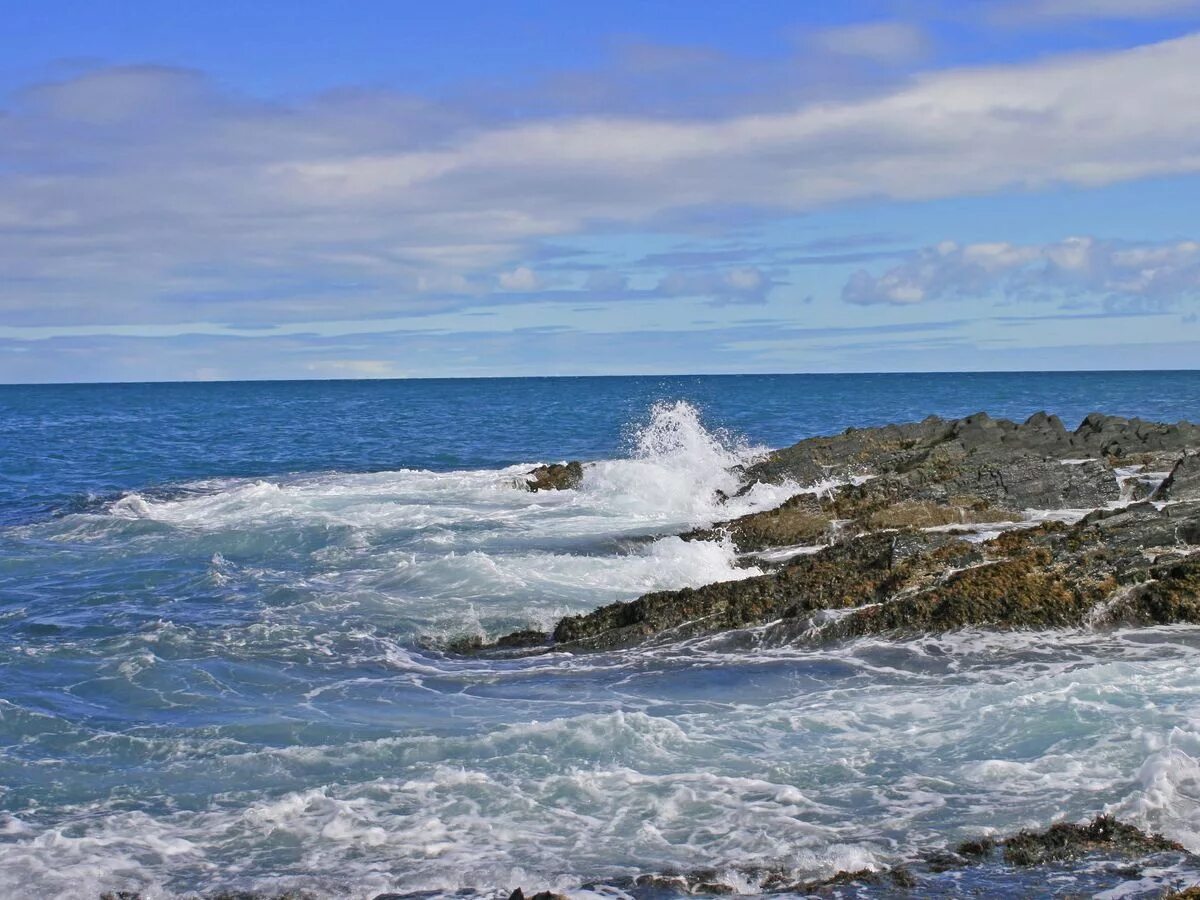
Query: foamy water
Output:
(244,690)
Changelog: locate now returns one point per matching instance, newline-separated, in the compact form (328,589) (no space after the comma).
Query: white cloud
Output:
(170,201)
(1124,275)
(883,42)
(522,278)
(1035,11)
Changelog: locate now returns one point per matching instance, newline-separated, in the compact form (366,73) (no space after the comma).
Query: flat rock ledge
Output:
(927,527)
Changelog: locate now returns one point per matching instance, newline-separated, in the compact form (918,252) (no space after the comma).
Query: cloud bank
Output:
(1125,276)
(151,195)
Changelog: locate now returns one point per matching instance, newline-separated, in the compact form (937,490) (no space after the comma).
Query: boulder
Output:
(1184,481)
(554,477)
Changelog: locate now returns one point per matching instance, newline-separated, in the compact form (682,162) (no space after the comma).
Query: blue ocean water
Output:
(222,607)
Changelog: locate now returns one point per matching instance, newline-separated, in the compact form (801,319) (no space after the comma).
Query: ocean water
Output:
(222,608)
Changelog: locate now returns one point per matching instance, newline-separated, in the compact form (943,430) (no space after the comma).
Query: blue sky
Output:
(383,189)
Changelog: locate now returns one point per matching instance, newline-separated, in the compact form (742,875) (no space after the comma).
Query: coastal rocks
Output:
(1037,464)
(799,520)
(554,477)
(1133,566)
(1083,859)
(881,503)
(1065,841)
(1184,481)
(887,553)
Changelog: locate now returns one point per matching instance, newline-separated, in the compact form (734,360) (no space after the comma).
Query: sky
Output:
(376,189)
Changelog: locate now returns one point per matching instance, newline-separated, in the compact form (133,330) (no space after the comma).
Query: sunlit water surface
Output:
(221,608)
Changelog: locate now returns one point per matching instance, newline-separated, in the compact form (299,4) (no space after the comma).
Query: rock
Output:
(1010,465)
(1184,481)
(1101,571)
(1065,841)
(519,639)
(799,520)
(877,504)
(555,477)
(1026,864)
(843,575)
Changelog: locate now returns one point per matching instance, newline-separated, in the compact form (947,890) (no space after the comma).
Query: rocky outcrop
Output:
(1184,481)
(554,477)
(889,560)
(1036,464)
(1138,566)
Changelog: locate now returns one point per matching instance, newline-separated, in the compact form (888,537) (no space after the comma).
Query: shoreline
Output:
(931,526)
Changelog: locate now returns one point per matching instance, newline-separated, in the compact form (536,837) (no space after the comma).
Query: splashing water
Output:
(227,682)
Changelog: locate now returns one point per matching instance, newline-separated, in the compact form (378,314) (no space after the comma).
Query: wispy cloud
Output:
(1124,276)
(1033,12)
(147,194)
(887,42)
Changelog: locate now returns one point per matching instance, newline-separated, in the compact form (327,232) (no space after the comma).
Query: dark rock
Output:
(1008,867)
(1100,572)
(555,477)
(995,460)
(1065,841)
(1184,481)
(977,849)
(527,638)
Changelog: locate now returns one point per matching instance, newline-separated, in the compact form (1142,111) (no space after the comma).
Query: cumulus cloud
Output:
(143,194)
(1126,276)
(522,278)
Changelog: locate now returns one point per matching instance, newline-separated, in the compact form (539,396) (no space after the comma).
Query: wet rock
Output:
(1087,859)
(1171,596)
(843,575)
(555,477)
(1022,592)
(1184,481)
(799,520)
(1135,565)
(1065,841)
(520,639)
(519,894)
(881,571)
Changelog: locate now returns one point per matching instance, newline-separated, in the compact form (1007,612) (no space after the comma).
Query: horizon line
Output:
(17,384)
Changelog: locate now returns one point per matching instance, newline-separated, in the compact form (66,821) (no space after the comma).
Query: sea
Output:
(225,607)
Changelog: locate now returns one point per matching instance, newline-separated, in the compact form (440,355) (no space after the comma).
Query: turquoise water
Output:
(221,607)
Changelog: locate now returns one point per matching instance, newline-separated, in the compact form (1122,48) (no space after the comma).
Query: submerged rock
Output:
(554,477)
